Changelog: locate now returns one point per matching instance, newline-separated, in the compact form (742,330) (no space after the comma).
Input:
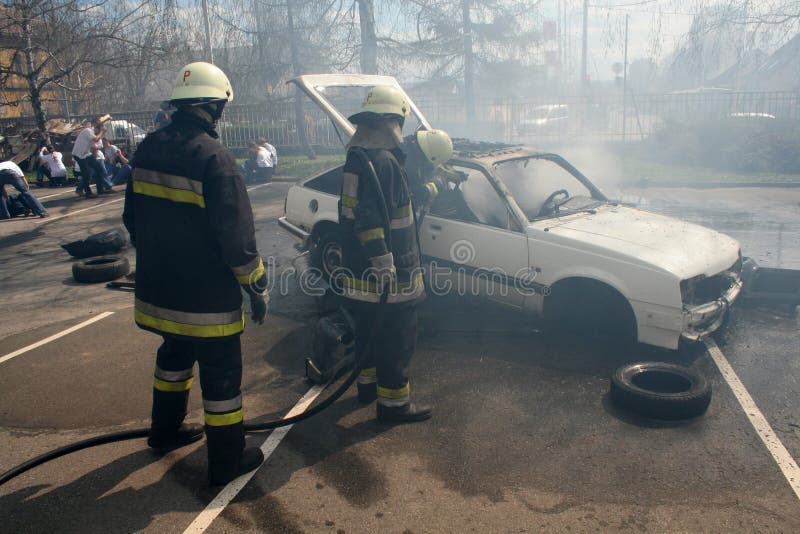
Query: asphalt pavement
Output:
(523,439)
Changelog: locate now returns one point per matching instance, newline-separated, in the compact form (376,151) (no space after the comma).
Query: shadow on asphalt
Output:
(90,504)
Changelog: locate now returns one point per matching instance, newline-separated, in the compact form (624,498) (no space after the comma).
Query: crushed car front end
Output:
(707,299)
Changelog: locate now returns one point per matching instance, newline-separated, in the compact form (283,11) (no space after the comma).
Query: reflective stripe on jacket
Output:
(189,216)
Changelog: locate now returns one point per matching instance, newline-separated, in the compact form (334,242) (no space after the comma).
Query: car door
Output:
(472,244)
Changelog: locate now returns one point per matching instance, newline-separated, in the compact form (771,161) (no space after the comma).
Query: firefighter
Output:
(189,216)
(370,267)
(426,152)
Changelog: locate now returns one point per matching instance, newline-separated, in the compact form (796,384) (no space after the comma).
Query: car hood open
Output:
(676,246)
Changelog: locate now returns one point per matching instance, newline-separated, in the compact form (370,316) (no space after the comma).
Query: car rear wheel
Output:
(327,253)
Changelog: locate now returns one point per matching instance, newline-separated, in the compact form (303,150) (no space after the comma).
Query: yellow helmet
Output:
(201,81)
(436,145)
(382,101)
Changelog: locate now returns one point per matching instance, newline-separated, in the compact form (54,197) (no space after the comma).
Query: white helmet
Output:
(201,82)
(382,101)
(436,145)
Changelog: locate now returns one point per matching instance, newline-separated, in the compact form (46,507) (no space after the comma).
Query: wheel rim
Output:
(331,258)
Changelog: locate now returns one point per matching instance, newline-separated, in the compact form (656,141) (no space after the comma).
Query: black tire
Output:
(660,390)
(100,269)
(327,253)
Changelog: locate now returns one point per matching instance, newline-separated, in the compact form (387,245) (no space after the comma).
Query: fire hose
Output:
(248,427)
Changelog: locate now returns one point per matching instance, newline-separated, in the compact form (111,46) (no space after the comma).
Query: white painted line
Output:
(229,492)
(51,219)
(257,186)
(779,453)
(56,195)
(63,333)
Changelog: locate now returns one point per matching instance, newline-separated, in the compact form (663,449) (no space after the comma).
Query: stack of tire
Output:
(100,269)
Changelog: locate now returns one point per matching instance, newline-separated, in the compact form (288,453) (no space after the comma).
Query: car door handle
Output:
(436,227)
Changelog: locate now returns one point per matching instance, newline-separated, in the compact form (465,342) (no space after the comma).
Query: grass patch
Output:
(301,166)
(635,170)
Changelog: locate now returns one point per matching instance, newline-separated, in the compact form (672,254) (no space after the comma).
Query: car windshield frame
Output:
(596,193)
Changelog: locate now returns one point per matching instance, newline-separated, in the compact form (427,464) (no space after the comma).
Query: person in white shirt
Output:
(263,142)
(51,164)
(11,174)
(258,167)
(116,163)
(83,151)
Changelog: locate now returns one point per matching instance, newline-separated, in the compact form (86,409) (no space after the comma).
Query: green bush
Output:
(739,144)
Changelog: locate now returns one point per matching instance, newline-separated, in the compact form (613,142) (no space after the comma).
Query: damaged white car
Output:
(526,229)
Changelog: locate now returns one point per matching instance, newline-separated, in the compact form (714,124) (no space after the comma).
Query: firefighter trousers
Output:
(395,339)
(220,365)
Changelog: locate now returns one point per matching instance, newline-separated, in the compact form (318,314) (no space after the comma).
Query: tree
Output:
(463,39)
(53,46)
(369,41)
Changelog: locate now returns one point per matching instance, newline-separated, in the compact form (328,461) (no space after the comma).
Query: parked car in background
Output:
(125,134)
(544,119)
(526,229)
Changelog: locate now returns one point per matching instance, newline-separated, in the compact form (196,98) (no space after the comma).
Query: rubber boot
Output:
(167,430)
(408,413)
(367,393)
(227,457)
(166,440)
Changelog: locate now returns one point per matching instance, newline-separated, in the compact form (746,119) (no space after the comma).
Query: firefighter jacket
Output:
(364,230)
(189,216)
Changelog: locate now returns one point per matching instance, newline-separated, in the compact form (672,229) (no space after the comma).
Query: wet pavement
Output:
(524,438)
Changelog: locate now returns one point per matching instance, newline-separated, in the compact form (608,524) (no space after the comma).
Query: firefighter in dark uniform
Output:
(426,153)
(370,267)
(189,216)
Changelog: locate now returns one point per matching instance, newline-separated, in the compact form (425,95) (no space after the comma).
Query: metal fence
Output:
(539,120)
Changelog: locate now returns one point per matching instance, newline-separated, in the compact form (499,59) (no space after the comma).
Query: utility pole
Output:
(585,44)
(469,67)
(625,81)
(209,51)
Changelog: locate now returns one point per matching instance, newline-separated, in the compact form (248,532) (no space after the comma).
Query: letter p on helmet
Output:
(186,74)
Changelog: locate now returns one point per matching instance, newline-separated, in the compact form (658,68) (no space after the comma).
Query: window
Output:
(532,180)
(472,201)
(328,182)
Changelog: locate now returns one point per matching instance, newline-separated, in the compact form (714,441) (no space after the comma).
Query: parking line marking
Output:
(779,453)
(63,333)
(54,195)
(229,492)
(51,219)
(256,187)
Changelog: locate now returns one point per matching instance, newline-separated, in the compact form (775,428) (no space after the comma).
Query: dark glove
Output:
(258,307)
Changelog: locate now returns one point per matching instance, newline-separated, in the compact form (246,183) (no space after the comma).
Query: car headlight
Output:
(687,288)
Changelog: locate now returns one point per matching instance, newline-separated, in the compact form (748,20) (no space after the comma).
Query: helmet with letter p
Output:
(199,83)
(382,102)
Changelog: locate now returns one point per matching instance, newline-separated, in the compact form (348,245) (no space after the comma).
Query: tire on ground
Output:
(100,269)
(660,390)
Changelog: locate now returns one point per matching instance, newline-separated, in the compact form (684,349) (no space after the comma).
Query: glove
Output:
(383,269)
(258,307)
